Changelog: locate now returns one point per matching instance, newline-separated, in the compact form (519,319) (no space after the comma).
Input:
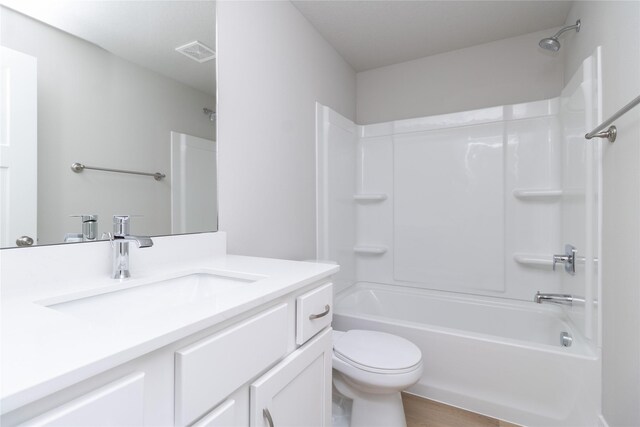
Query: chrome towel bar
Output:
(79,167)
(612,131)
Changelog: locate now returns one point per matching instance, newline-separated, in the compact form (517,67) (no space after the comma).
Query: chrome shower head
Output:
(552,43)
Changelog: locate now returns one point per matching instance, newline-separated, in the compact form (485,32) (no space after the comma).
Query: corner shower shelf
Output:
(533,260)
(369,197)
(533,193)
(370,250)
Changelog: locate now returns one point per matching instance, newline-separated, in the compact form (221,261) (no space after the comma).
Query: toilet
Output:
(371,368)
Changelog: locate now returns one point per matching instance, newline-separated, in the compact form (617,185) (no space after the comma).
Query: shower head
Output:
(552,43)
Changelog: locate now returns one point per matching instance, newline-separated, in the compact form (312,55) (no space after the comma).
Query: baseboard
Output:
(602,422)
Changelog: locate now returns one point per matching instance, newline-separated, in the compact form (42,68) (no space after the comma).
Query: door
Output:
(18,147)
(194,199)
(297,392)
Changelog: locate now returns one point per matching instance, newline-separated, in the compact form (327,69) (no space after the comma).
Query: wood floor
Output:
(427,413)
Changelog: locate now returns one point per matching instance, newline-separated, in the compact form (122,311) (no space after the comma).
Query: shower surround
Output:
(473,203)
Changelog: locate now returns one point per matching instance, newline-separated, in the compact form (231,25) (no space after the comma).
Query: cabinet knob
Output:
(267,415)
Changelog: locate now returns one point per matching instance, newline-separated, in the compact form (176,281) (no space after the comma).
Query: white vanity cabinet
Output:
(223,375)
(294,392)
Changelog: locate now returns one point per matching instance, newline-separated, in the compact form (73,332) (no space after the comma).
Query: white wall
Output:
(272,68)
(616,27)
(504,72)
(100,110)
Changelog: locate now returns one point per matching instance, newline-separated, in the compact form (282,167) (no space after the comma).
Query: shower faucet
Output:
(569,259)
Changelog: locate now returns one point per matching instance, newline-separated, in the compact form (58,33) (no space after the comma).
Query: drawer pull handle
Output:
(267,415)
(327,309)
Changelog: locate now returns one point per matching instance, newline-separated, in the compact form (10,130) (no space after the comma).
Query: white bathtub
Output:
(501,359)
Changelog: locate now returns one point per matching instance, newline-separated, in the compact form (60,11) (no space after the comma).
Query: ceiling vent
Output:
(197,51)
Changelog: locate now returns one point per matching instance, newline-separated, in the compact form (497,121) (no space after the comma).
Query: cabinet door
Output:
(120,403)
(297,392)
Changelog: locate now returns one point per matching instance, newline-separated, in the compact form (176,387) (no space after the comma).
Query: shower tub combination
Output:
(501,359)
(448,226)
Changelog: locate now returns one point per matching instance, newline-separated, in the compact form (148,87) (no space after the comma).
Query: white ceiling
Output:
(368,34)
(371,34)
(144,32)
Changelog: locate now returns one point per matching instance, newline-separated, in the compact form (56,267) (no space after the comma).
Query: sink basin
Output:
(152,299)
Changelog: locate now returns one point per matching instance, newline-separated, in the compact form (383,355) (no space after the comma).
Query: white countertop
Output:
(45,350)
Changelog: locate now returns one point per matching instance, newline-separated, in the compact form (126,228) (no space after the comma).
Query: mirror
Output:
(116,87)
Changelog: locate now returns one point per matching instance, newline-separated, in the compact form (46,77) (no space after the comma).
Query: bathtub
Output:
(496,357)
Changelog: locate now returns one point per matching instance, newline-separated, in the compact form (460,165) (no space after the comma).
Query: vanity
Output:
(195,337)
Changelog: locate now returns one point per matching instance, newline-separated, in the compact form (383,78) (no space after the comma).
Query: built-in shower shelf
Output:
(534,260)
(536,193)
(369,197)
(370,250)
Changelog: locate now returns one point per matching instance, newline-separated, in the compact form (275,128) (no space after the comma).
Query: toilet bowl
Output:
(371,368)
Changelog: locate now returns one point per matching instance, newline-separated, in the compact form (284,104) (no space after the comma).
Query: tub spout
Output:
(563,299)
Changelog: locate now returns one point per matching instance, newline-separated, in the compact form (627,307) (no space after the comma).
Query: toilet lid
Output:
(377,350)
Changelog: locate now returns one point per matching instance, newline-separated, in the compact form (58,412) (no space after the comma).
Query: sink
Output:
(155,298)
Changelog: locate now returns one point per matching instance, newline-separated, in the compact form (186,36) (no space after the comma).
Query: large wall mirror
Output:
(117,85)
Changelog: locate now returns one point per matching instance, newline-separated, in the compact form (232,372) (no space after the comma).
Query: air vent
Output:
(197,51)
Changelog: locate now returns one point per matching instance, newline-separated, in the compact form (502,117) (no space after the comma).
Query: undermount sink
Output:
(160,297)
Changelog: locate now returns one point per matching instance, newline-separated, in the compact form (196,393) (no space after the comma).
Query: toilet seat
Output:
(376,383)
(377,352)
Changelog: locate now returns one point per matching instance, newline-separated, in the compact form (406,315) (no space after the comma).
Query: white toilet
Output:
(371,368)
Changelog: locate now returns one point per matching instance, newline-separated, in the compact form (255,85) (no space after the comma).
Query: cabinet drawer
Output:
(120,403)
(314,312)
(222,416)
(211,369)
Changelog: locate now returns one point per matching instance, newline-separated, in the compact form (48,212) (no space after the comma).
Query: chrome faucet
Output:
(563,299)
(568,259)
(120,239)
(89,229)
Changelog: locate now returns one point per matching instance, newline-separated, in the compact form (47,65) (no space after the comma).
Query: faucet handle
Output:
(85,217)
(89,226)
(557,259)
(121,225)
(569,259)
